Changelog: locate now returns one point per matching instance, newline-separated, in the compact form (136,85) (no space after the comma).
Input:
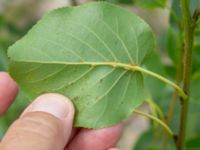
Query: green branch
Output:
(156,120)
(188,28)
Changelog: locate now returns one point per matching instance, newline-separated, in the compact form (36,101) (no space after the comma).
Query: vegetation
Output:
(105,59)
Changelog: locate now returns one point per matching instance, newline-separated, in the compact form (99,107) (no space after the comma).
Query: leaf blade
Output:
(78,60)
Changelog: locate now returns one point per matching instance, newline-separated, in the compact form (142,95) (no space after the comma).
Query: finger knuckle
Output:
(44,125)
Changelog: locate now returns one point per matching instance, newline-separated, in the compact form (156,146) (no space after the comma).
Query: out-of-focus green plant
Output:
(182,45)
(10,31)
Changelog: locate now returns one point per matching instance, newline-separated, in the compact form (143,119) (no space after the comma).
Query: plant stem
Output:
(169,131)
(188,28)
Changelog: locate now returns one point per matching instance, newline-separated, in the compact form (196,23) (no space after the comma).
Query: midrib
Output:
(132,67)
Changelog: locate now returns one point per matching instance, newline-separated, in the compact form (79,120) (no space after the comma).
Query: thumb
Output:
(45,125)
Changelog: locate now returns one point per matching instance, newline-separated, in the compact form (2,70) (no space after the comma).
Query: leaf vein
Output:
(74,81)
(91,47)
(103,77)
(31,70)
(121,40)
(98,37)
(73,52)
(106,93)
(136,42)
(125,91)
(48,76)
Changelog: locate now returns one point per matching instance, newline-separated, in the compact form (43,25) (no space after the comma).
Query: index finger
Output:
(8,91)
(96,139)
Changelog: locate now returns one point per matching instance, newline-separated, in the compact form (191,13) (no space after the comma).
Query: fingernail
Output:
(54,104)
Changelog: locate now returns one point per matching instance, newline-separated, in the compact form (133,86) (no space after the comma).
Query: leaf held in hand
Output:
(80,52)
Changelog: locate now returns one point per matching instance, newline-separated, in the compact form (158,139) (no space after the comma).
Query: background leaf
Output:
(196,58)
(70,50)
(193,143)
(153,84)
(3,60)
(193,5)
(119,1)
(173,45)
(151,140)
(195,86)
(151,3)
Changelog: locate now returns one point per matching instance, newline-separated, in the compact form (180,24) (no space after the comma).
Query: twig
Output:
(188,28)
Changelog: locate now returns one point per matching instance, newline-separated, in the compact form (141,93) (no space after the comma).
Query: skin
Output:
(46,124)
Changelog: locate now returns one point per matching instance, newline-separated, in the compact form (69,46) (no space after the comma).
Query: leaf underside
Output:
(60,53)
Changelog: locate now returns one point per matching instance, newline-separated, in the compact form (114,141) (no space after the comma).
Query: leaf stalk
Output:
(169,131)
(176,87)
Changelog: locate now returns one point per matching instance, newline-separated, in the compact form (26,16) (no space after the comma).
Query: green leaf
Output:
(193,143)
(3,60)
(150,140)
(193,126)
(177,10)
(153,84)
(195,86)
(173,45)
(193,5)
(196,58)
(147,142)
(171,71)
(83,52)
(118,1)
(151,3)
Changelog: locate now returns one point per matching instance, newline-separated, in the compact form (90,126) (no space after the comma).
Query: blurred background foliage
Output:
(18,16)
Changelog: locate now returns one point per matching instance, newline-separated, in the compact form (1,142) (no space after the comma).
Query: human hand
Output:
(46,124)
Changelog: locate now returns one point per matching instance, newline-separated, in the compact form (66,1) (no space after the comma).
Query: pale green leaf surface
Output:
(3,59)
(195,86)
(151,3)
(173,45)
(193,143)
(70,51)
(196,58)
(153,84)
